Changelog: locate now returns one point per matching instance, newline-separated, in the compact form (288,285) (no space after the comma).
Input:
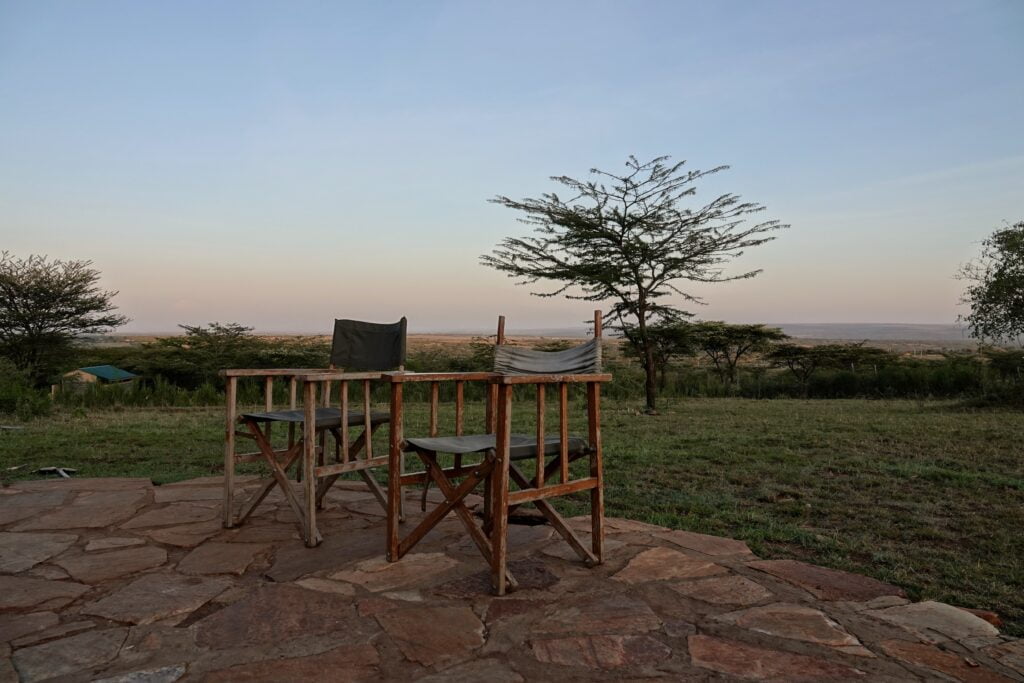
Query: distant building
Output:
(104,374)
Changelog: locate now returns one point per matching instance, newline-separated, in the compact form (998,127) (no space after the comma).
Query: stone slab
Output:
(21,551)
(936,621)
(724,590)
(78,653)
(274,614)
(221,558)
(662,564)
(751,662)
(174,514)
(931,657)
(415,631)
(796,622)
(827,584)
(93,568)
(16,625)
(156,596)
(378,574)
(17,592)
(78,517)
(601,651)
(186,535)
(176,494)
(164,674)
(112,542)
(717,546)
(349,663)
(599,613)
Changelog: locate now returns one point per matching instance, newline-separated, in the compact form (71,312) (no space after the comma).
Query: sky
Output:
(282,164)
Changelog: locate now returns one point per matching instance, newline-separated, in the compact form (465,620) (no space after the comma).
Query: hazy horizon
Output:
(281,165)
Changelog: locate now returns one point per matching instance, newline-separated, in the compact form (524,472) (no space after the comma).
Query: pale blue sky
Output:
(280,164)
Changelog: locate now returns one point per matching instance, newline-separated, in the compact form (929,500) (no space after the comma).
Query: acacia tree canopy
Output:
(995,291)
(726,344)
(44,305)
(631,239)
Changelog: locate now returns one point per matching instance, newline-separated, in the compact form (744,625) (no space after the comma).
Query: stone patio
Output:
(118,580)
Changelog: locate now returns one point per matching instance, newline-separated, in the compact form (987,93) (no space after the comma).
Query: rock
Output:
(490,670)
(133,499)
(19,552)
(416,633)
(724,590)
(933,658)
(21,591)
(79,653)
(110,543)
(1009,654)
(936,622)
(221,558)
(601,652)
(16,625)
(48,571)
(176,494)
(173,514)
(156,596)
(86,484)
(757,663)
(827,584)
(79,517)
(165,674)
(345,664)
(600,613)
(338,550)
(988,615)
(58,631)
(378,574)
(274,614)
(186,535)
(709,545)
(792,621)
(562,550)
(531,574)
(660,564)
(327,586)
(100,567)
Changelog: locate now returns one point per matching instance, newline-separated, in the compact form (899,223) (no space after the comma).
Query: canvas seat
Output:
(501,453)
(326,418)
(363,350)
(522,446)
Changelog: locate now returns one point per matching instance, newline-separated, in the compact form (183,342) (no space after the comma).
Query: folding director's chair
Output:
(366,349)
(498,452)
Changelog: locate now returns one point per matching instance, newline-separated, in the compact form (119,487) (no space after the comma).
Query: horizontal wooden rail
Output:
(440,376)
(352,466)
(518,497)
(268,372)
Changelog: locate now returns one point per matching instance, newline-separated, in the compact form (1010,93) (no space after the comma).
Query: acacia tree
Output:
(726,344)
(669,338)
(630,239)
(996,290)
(45,305)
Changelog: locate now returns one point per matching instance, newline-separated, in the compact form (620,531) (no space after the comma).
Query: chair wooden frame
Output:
(496,470)
(307,448)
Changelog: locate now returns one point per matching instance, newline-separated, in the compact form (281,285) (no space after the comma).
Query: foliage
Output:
(630,242)
(44,306)
(995,291)
(804,361)
(670,337)
(726,344)
(18,396)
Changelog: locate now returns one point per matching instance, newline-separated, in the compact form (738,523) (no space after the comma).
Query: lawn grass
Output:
(921,494)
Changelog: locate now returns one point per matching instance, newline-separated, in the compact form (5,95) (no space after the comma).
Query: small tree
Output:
(995,291)
(726,344)
(630,242)
(669,338)
(45,305)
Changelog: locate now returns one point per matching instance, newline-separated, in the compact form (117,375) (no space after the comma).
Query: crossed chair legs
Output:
(280,461)
(490,535)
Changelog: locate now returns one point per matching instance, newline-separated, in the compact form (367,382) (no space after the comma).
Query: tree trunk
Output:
(650,376)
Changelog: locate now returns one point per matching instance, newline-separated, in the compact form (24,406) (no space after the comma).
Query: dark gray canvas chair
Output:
(499,453)
(362,351)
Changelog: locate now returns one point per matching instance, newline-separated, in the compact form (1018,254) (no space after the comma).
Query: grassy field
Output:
(922,494)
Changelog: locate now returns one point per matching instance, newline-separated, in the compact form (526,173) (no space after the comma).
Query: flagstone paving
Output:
(119,580)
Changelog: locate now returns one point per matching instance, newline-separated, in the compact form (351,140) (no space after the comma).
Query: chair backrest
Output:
(361,346)
(578,360)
